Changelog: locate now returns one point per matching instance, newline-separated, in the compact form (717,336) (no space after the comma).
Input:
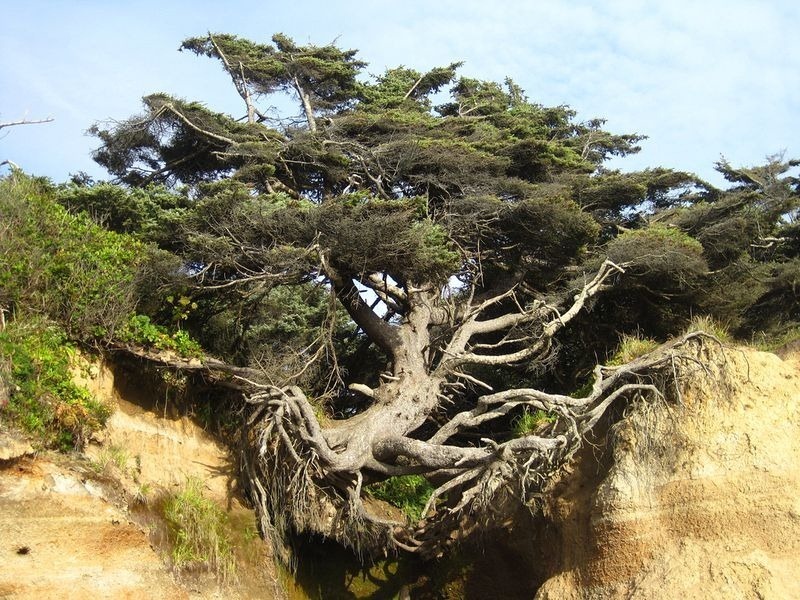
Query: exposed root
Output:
(303,479)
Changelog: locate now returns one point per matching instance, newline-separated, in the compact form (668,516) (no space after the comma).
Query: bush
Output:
(140,330)
(663,259)
(45,401)
(150,213)
(63,266)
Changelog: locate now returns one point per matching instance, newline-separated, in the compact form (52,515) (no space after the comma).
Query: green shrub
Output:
(409,493)
(45,401)
(63,266)
(198,531)
(149,213)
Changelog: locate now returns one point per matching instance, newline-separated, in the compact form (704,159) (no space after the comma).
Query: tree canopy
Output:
(463,263)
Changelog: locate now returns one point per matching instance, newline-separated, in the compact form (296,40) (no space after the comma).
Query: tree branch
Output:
(241,86)
(26,122)
(379,331)
(205,132)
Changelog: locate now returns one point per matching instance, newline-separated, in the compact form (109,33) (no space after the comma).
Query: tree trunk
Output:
(307,108)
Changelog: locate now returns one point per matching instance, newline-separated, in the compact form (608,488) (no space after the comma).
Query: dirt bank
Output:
(87,527)
(63,538)
(699,500)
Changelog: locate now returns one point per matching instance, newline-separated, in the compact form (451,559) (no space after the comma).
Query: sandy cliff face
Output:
(72,527)
(700,501)
(61,537)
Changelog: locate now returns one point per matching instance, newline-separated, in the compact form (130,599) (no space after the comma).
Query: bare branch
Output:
(607,269)
(26,122)
(182,117)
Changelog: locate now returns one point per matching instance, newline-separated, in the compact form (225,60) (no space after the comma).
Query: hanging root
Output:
(300,484)
(295,479)
(521,470)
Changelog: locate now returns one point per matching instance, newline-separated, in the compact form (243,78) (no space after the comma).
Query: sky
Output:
(701,78)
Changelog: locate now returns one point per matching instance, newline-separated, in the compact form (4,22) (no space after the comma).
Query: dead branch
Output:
(25,122)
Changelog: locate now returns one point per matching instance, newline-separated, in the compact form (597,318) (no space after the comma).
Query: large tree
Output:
(462,241)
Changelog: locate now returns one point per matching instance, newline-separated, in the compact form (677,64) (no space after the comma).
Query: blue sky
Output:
(700,78)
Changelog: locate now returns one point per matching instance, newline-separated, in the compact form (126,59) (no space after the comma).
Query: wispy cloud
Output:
(700,78)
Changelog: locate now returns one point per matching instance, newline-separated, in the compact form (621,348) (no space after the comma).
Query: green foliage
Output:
(409,493)
(775,342)
(63,266)
(326,72)
(198,531)
(140,330)
(530,421)
(488,186)
(181,307)
(150,213)
(751,240)
(45,401)
(663,259)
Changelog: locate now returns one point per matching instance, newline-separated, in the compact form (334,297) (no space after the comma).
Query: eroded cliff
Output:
(699,500)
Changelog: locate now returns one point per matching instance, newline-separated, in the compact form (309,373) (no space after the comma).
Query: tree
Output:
(462,241)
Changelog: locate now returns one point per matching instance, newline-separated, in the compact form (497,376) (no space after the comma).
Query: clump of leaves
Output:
(530,421)
(409,493)
(140,330)
(198,531)
(45,401)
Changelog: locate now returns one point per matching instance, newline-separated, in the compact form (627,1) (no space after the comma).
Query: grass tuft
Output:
(632,347)
(530,421)
(708,325)
(198,532)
